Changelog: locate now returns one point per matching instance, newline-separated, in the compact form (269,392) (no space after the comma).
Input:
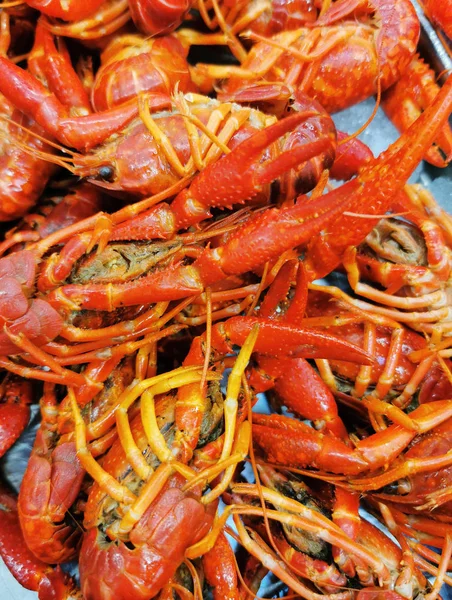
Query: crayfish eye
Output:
(106,173)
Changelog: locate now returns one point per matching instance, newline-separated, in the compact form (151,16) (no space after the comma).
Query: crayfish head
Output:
(131,161)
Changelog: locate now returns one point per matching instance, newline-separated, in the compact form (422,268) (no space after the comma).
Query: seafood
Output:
(338,64)
(152,495)
(17,395)
(33,574)
(167,277)
(168,143)
(300,514)
(410,259)
(404,101)
(414,489)
(23,175)
(54,476)
(398,381)
(441,14)
(210,266)
(133,64)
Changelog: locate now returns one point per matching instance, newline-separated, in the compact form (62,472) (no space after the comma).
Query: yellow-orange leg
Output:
(155,438)
(100,426)
(426,203)
(365,372)
(42,358)
(239,452)
(232,41)
(412,386)
(374,401)
(407,468)
(125,330)
(442,569)
(263,553)
(394,306)
(146,362)
(231,310)
(437,498)
(314,45)
(310,520)
(117,491)
(256,546)
(233,390)
(346,516)
(404,583)
(120,350)
(426,529)
(149,492)
(112,15)
(199,146)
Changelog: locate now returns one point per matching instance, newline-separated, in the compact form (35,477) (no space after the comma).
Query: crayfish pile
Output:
(188,235)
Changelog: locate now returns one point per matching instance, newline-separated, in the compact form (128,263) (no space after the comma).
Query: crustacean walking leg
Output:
(54,475)
(387,387)
(411,258)
(95,19)
(251,245)
(404,101)
(337,60)
(281,490)
(151,496)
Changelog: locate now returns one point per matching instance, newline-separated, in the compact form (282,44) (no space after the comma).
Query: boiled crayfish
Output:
(167,276)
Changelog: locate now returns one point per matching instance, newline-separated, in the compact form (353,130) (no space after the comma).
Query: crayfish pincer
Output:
(258,240)
(21,314)
(146,153)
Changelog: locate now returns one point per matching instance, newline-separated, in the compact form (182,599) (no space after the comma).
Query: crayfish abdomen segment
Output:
(157,545)
(121,262)
(397,241)
(49,488)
